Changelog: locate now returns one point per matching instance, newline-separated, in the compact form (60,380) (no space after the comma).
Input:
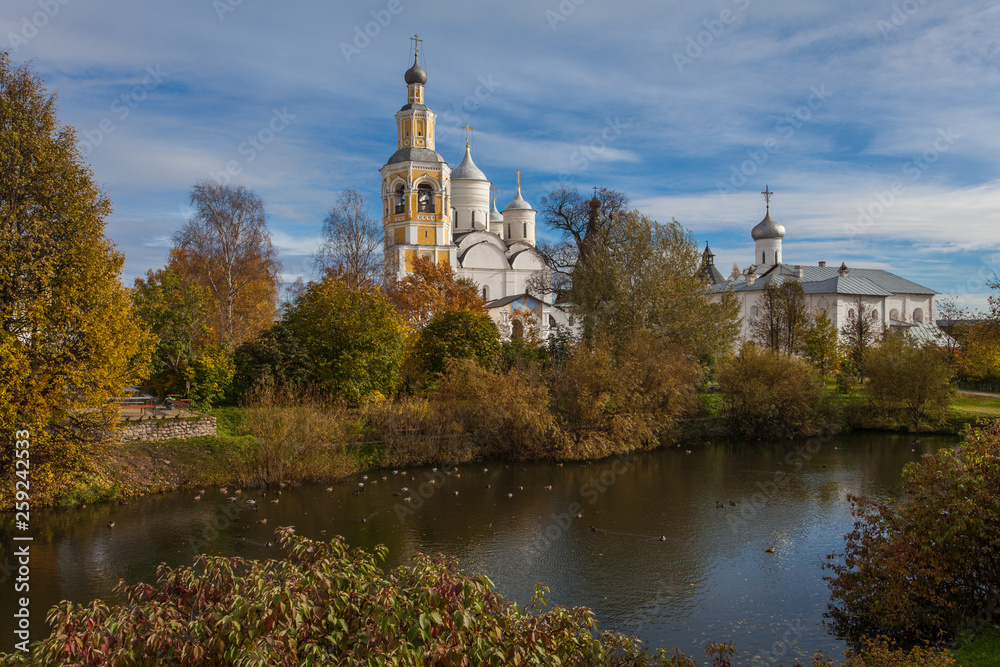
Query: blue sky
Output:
(874,122)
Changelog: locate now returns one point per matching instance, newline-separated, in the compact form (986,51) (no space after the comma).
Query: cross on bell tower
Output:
(416,44)
(767,198)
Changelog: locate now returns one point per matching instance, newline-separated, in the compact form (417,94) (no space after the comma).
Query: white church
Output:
(900,303)
(445,215)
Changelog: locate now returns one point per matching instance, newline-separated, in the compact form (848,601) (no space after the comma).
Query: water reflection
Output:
(711,579)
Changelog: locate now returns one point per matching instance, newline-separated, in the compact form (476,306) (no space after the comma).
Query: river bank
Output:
(121,471)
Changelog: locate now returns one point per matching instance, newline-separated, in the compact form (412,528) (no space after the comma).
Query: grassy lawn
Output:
(983,652)
(980,406)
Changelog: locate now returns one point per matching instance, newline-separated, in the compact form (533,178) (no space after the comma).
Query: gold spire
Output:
(467,129)
(518,172)
(767,198)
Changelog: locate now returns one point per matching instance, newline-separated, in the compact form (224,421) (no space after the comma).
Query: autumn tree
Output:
(906,380)
(771,395)
(644,277)
(577,223)
(861,332)
(784,320)
(69,339)
(351,248)
(226,247)
(821,344)
(954,321)
(430,289)
(353,338)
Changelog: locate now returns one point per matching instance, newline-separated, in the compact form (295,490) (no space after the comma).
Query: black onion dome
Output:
(415,74)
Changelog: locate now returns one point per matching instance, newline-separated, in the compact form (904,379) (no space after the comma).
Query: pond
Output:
(710,578)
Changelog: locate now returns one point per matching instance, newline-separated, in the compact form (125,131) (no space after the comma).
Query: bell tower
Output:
(416,184)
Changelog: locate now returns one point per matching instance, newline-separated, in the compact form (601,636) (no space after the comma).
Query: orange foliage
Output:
(429,290)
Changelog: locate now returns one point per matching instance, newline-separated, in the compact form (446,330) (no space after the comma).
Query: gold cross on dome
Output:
(767,197)
(467,129)
(416,43)
(518,172)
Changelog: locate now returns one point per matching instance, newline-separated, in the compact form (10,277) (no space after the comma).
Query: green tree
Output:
(821,344)
(456,334)
(176,312)
(276,358)
(771,395)
(644,277)
(353,337)
(69,339)
(907,380)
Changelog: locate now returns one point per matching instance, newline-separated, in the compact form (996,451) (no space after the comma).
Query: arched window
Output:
(400,199)
(763,258)
(524,232)
(425,198)
(850,314)
(918,315)
(472,223)
(486,293)
(894,314)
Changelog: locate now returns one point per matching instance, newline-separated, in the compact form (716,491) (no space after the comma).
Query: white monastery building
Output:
(445,215)
(900,303)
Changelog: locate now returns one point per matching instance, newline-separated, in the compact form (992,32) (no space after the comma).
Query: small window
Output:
(524,233)
(894,314)
(508,231)
(918,315)
(427,234)
(850,314)
(486,293)
(473,219)
(763,258)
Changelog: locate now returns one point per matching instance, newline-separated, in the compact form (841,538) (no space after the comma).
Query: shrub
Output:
(611,398)
(907,381)
(507,414)
(327,604)
(296,435)
(455,334)
(923,568)
(771,395)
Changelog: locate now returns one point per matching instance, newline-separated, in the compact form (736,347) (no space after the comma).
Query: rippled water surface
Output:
(710,579)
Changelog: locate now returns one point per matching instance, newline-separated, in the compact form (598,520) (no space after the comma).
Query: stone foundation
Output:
(149,430)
